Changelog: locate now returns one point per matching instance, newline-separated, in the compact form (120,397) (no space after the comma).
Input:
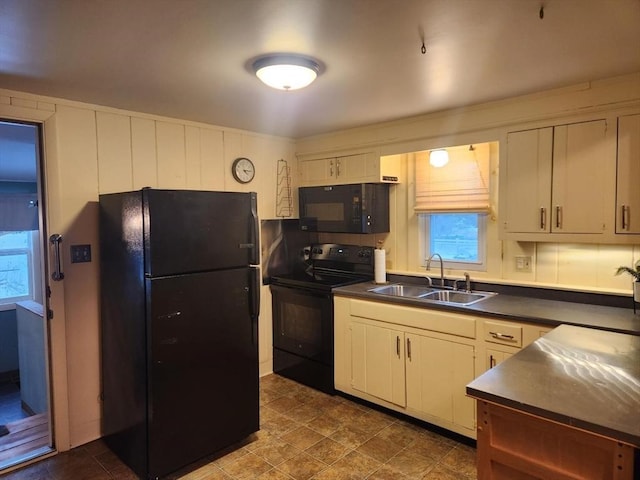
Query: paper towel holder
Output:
(380,264)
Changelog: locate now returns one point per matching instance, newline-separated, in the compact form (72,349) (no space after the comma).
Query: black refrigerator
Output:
(180,300)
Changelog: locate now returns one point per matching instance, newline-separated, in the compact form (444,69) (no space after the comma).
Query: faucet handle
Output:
(429,280)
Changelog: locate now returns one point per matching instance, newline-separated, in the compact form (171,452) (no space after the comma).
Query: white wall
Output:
(90,150)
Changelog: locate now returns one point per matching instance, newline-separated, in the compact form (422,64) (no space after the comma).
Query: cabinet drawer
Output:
(503,333)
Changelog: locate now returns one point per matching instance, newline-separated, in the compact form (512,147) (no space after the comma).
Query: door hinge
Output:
(49,314)
(48,291)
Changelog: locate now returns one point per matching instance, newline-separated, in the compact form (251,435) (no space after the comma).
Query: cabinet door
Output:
(318,172)
(527,184)
(377,362)
(437,374)
(364,167)
(495,357)
(581,165)
(628,183)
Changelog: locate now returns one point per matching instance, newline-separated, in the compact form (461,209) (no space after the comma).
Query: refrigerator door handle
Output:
(254,292)
(255,225)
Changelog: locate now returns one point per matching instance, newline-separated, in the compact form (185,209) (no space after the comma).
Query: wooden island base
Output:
(513,445)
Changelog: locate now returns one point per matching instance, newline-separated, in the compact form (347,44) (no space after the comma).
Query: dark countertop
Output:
(580,377)
(518,307)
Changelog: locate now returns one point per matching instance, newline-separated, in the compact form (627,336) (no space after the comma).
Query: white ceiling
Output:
(190,59)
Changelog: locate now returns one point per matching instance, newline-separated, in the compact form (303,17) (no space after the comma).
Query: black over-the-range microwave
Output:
(357,208)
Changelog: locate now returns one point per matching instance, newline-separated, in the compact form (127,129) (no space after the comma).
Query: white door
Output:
(27,297)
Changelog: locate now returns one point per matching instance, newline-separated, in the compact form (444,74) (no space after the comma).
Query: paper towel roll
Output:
(379,265)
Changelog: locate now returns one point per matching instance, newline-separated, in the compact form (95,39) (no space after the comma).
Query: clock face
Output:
(243,170)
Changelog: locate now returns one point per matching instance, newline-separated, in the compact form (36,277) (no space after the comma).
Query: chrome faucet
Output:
(441,266)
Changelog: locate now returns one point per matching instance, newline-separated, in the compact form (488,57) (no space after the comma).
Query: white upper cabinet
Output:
(628,191)
(527,181)
(582,165)
(361,168)
(558,183)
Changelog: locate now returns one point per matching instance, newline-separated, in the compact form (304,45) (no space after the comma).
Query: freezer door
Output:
(193,231)
(203,383)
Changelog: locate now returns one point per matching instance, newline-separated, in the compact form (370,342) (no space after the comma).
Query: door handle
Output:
(398,346)
(543,218)
(409,348)
(56,240)
(625,213)
(492,361)
(558,216)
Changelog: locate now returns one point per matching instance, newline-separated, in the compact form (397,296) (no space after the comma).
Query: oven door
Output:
(303,323)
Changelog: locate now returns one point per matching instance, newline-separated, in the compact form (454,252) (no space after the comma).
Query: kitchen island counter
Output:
(575,376)
(566,406)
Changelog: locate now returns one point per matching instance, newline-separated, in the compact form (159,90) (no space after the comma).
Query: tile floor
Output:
(305,435)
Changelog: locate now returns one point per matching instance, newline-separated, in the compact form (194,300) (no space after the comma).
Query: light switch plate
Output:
(80,253)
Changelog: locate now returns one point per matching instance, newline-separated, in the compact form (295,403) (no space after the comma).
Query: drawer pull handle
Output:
(492,361)
(502,336)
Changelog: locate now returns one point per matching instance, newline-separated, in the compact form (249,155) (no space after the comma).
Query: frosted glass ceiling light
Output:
(286,72)
(438,158)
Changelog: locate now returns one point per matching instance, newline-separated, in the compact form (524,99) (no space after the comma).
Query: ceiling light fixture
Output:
(286,71)
(438,158)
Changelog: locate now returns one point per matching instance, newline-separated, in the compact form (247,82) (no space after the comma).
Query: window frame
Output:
(424,242)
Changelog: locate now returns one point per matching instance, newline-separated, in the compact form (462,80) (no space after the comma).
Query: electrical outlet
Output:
(523,263)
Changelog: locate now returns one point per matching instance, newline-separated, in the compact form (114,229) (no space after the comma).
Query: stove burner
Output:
(331,265)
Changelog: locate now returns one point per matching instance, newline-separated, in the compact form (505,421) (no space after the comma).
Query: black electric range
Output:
(303,311)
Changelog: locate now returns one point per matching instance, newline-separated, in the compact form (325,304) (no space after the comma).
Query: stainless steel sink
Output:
(398,290)
(451,297)
(457,297)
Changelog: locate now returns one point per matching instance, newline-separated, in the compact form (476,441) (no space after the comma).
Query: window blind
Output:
(462,185)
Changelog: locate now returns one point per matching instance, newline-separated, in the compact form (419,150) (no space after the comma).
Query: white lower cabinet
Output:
(437,374)
(419,372)
(377,361)
(495,357)
(418,361)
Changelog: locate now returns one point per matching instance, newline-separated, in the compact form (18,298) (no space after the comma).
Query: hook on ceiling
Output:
(423,49)
(541,12)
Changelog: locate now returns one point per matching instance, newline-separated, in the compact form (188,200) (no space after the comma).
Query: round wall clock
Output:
(243,170)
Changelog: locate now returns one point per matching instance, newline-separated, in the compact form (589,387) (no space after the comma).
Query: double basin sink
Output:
(450,297)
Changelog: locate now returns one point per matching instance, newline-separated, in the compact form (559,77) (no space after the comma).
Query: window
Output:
(15,266)
(459,238)
(452,203)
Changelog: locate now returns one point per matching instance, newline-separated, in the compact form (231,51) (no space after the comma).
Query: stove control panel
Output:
(334,252)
